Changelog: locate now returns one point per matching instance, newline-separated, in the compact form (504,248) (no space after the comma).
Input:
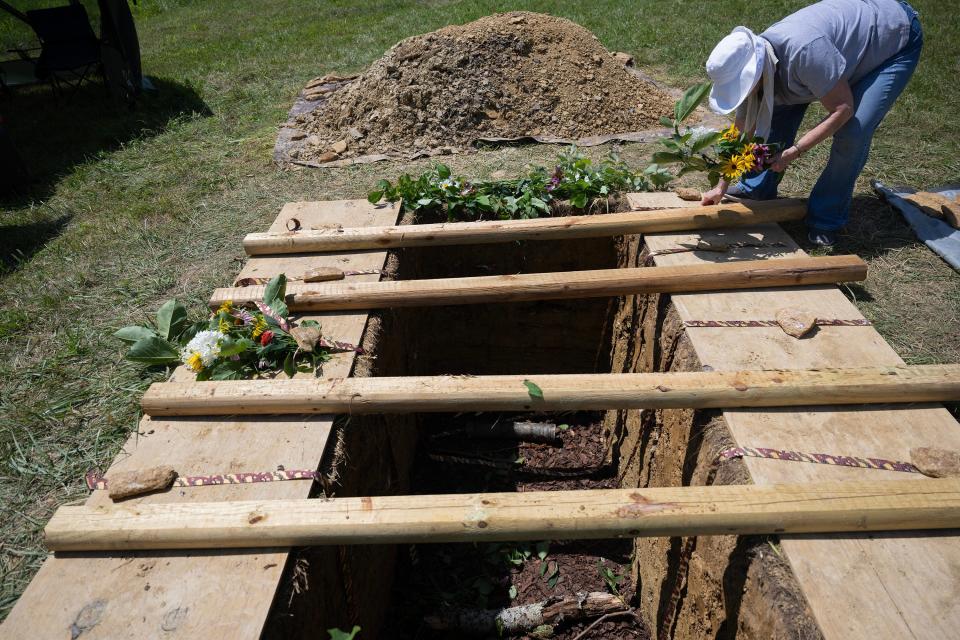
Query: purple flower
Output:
(762,153)
(243,315)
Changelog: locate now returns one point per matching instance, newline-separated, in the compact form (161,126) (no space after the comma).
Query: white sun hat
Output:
(735,66)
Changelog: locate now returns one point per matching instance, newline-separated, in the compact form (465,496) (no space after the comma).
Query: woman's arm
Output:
(839,102)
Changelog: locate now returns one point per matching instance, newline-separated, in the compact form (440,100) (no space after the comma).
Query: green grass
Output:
(129,208)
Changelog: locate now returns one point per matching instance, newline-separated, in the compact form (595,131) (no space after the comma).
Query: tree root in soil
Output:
(525,618)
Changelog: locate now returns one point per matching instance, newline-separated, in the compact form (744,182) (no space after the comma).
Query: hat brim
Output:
(726,97)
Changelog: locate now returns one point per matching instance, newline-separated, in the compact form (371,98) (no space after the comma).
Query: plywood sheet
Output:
(858,586)
(212,594)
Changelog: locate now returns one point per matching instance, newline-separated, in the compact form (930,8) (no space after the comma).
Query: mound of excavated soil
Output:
(507,75)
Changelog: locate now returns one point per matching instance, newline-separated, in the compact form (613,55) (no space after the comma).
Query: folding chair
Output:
(70,51)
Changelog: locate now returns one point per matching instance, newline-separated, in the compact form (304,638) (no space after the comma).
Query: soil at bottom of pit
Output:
(435,578)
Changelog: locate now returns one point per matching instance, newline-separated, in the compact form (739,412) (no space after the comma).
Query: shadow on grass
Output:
(53,134)
(874,229)
(18,243)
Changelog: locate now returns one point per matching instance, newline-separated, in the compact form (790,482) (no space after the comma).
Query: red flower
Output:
(265,338)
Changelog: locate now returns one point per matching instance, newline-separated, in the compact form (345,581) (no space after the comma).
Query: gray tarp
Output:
(943,239)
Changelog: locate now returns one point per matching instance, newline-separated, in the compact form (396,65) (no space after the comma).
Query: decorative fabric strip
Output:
(249,282)
(821,322)
(97,481)
(336,345)
(881,464)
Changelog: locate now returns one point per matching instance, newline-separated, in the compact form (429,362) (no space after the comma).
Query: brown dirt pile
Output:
(506,75)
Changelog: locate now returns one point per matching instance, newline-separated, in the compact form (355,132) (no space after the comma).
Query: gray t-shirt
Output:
(832,40)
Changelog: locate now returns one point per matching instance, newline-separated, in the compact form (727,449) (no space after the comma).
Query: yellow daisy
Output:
(195,362)
(731,133)
(259,327)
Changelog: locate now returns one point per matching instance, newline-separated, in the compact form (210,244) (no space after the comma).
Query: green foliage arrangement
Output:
(233,344)
(574,178)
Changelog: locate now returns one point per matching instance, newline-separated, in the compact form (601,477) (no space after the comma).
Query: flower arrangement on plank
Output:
(234,343)
(574,178)
(729,154)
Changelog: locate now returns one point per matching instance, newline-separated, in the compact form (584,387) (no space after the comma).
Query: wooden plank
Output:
(877,586)
(557,286)
(493,231)
(563,392)
(208,594)
(532,515)
(656,200)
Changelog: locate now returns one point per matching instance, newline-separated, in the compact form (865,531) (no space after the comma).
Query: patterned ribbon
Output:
(821,322)
(337,345)
(819,458)
(97,481)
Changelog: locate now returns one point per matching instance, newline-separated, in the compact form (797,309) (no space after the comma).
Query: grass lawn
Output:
(130,208)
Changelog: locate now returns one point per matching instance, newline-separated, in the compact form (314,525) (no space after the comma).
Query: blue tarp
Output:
(943,239)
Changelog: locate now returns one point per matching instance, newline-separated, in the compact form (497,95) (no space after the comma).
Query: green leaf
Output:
(230,347)
(171,319)
(579,201)
(534,390)
(374,197)
(513,592)
(537,203)
(691,100)
(153,350)
(563,427)
(543,548)
(134,333)
(443,171)
(276,291)
(665,121)
(289,367)
(703,142)
(337,634)
(225,373)
(665,157)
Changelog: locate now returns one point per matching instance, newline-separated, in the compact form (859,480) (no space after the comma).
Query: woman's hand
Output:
(714,196)
(783,159)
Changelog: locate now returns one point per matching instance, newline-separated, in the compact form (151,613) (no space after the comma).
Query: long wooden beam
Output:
(534,515)
(749,274)
(921,383)
(492,231)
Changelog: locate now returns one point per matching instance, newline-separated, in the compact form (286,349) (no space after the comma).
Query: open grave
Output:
(443,577)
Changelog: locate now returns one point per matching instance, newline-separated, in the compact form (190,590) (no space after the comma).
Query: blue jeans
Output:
(829,205)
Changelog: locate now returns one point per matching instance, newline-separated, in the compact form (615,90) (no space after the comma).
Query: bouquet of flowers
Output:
(728,154)
(738,154)
(234,343)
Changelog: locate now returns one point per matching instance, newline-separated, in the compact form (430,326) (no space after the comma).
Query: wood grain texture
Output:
(859,587)
(922,383)
(152,595)
(494,231)
(533,515)
(561,285)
